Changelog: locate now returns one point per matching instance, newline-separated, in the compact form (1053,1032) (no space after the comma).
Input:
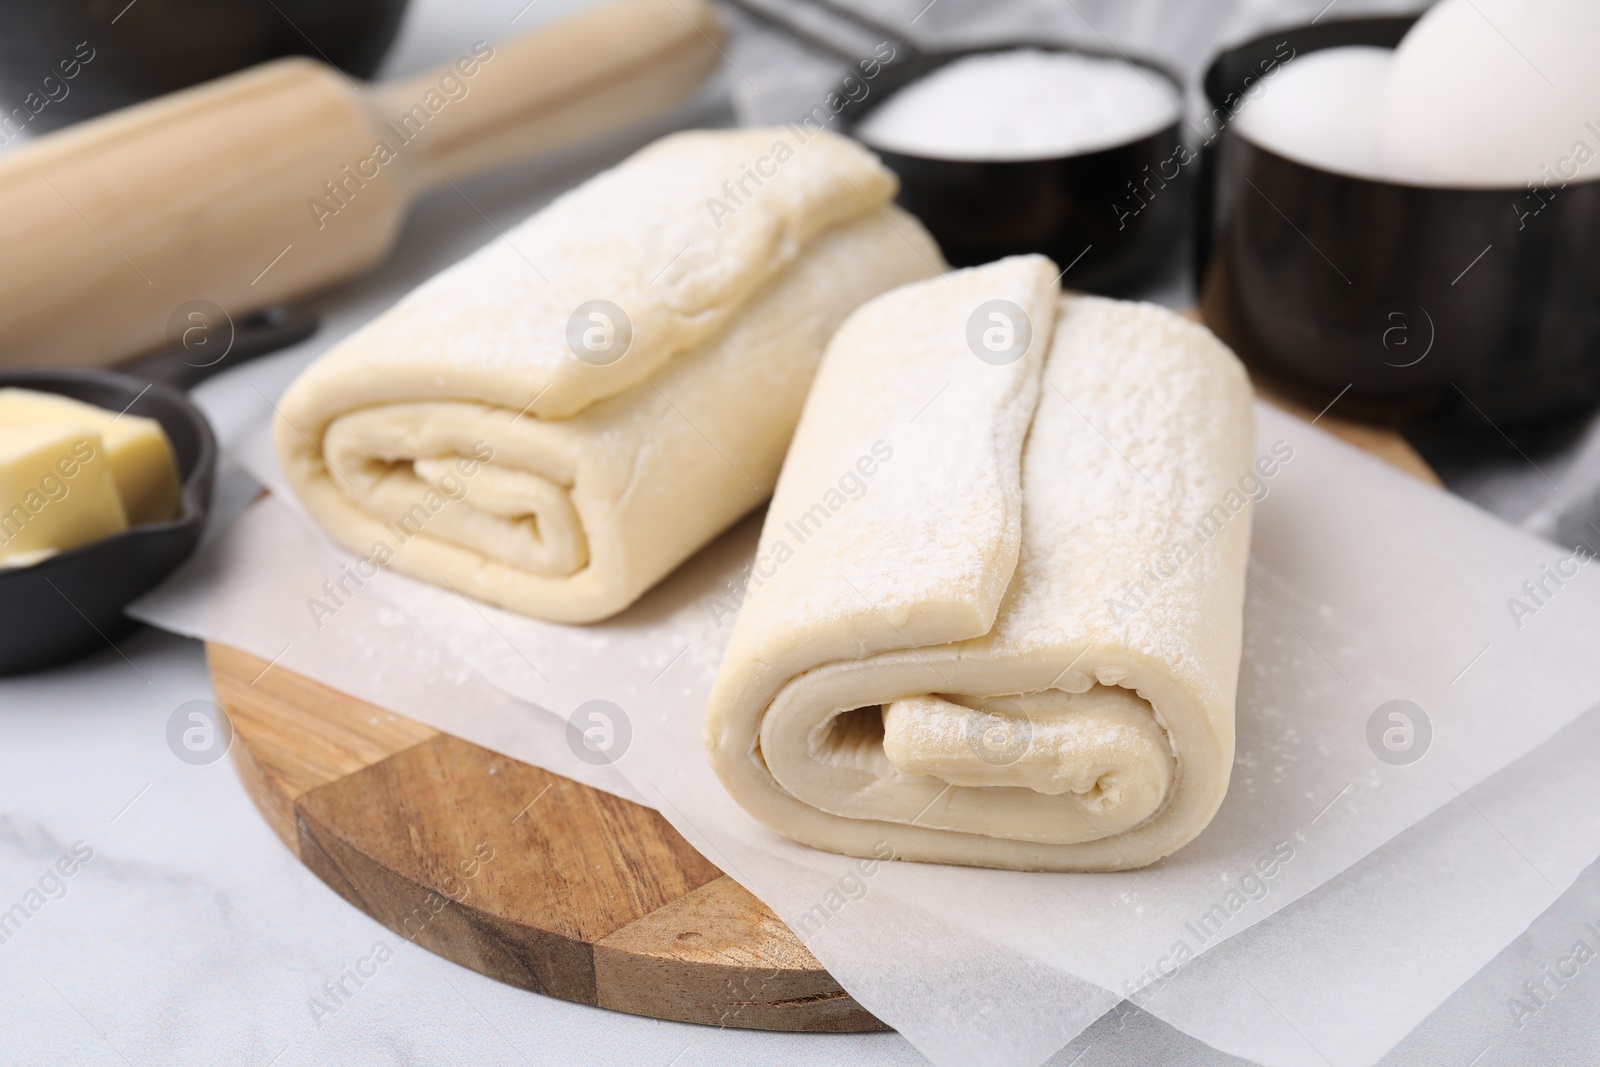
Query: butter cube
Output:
(142,463)
(56,492)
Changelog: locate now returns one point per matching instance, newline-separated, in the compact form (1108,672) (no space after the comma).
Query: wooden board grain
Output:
(529,877)
(513,871)
(1378,441)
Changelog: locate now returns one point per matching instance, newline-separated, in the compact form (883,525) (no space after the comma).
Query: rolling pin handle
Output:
(599,71)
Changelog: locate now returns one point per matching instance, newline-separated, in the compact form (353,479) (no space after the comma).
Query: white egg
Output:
(1321,108)
(1495,93)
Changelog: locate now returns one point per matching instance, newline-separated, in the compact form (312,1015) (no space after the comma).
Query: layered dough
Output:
(1018,645)
(461,435)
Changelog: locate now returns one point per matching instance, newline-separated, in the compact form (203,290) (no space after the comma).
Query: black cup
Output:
(1116,218)
(1422,305)
(72,603)
(63,61)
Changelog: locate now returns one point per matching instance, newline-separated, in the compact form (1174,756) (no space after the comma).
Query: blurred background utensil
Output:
(1111,217)
(258,188)
(1105,214)
(64,62)
(1415,304)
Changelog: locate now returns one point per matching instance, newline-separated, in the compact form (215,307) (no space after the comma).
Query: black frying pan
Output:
(66,60)
(72,603)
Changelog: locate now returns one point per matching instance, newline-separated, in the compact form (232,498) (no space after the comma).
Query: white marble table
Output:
(193,936)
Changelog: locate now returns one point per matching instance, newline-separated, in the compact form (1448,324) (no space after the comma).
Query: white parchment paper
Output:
(247,588)
(1350,969)
(1366,588)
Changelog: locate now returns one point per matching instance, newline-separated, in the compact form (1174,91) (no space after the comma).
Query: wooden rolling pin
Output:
(265,185)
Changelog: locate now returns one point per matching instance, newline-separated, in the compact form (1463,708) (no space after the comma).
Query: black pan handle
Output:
(206,341)
(777,15)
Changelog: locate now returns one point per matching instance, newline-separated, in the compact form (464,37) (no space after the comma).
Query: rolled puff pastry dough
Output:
(460,435)
(1018,645)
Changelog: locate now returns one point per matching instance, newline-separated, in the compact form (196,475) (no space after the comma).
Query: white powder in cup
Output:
(1022,104)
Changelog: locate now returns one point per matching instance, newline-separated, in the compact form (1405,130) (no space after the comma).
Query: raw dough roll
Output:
(995,617)
(556,422)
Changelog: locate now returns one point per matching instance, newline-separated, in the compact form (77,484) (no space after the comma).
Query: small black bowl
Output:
(72,603)
(1432,306)
(61,62)
(1124,210)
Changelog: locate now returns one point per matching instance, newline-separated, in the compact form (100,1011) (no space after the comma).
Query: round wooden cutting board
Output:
(513,871)
(524,875)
